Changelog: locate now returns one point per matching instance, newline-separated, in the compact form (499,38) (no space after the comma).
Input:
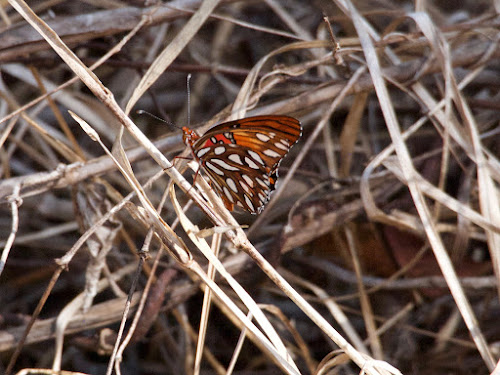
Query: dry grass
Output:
(378,252)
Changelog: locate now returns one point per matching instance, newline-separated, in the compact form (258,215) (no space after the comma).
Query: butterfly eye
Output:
(242,157)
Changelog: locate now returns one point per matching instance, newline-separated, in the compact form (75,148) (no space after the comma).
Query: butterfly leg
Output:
(178,157)
(196,174)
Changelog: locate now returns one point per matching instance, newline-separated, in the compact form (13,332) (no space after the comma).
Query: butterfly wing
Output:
(242,157)
(239,179)
(270,136)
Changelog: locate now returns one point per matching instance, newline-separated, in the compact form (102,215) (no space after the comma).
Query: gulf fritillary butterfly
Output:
(242,157)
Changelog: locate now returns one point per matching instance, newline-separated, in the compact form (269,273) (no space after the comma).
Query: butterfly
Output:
(241,157)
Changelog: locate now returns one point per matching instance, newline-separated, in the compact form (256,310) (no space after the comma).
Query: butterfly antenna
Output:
(188,99)
(143,112)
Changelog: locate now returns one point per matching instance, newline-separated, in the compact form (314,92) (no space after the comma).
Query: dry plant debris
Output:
(378,252)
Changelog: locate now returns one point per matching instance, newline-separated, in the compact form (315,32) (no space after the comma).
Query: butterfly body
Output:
(242,157)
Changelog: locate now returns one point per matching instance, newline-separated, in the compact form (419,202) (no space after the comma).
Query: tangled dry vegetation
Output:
(378,252)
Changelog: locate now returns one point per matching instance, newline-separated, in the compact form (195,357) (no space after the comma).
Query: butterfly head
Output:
(189,136)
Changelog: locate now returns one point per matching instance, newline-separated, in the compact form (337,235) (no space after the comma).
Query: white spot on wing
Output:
(228,194)
(235,158)
(271,153)
(219,150)
(262,137)
(251,163)
(263,198)
(232,185)
(223,164)
(245,186)
(214,169)
(202,152)
(248,180)
(256,157)
(281,146)
(249,203)
(263,183)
